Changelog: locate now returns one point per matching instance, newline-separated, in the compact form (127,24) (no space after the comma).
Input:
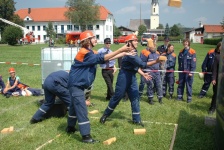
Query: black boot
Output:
(160,101)
(88,139)
(138,123)
(33,121)
(103,119)
(151,101)
(70,129)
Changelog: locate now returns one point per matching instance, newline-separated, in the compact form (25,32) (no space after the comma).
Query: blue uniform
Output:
(155,83)
(207,67)
(144,57)
(81,76)
(127,82)
(169,76)
(11,83)
(186,62)
(54,85)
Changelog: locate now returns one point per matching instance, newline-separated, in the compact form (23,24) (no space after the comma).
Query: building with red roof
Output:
(37,19)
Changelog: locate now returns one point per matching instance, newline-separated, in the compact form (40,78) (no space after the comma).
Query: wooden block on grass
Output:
(94,112)
(11,129)
(175,3)
(5,130)
(109,141)
(139,131)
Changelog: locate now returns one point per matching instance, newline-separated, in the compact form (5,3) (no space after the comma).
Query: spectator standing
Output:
(215,78)
(108,68)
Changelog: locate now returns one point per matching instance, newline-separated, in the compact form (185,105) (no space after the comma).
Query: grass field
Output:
(159,120)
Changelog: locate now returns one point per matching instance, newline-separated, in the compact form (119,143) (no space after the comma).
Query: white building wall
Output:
(101,29)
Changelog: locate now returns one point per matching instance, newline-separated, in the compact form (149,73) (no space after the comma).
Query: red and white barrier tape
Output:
(19,63)
(30,64)
(185,71)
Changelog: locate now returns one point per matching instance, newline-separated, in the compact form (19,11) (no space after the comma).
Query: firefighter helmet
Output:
(85,35)
(11,70)
(130,37)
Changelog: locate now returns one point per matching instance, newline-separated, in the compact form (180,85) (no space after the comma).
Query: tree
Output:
(12,34)
(50,30)
(16,19)
(7,9)
(167,30)
(175,31)
(160,26)
(116,31)
(82,12)
(141,29)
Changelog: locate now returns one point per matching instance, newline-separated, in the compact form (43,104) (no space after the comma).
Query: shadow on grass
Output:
(193,134)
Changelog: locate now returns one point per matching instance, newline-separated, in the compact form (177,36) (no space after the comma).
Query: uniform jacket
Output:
(59,77)
(187,62)
(208,61)
(132,63)
(83,69)
(171,61)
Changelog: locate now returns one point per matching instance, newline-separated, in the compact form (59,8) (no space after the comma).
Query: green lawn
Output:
(159,119)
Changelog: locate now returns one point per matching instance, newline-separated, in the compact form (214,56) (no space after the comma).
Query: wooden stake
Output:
(109,141)
(139,131)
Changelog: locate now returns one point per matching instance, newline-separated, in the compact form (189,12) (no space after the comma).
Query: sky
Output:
(189,14)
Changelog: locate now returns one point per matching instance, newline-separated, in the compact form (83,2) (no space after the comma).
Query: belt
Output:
(107,68)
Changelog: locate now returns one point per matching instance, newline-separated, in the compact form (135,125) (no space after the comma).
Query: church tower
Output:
(154,18)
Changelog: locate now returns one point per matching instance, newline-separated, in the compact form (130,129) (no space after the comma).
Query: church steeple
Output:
(154,2)
(154,18)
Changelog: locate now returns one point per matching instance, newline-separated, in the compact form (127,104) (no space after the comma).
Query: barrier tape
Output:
(164,71)
(20,63)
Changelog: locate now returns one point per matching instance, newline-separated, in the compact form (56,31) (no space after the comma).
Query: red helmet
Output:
(85,35)
(11,70)
(130,37)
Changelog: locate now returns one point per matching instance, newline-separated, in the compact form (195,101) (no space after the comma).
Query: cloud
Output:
(221,1)
(203,20)
(180,10)
(141,1)
(126,10)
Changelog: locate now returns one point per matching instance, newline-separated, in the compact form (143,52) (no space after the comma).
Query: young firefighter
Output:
(11,85)
(207,66)
(156,82)
(170,67)
(127,82)
(81,76)
(186,63)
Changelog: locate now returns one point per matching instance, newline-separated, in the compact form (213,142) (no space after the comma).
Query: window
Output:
(110,28)
(38,28)
(69,27)
(62,29)
(28,27)
(56,28)
(97,27)
(154,9)
(90,27)
(97,36)
(106,27)
(76,27)
(27,19)
(33,28)
(44,28)
(45,37)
